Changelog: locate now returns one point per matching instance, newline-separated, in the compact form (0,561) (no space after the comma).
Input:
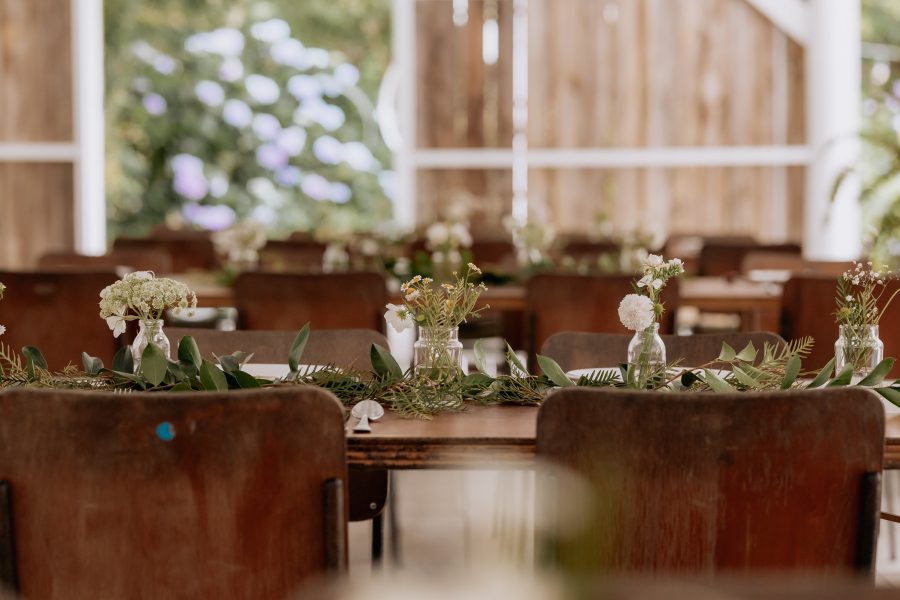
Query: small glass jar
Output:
(647,353)
(859,346)
(149,330)
(438,351)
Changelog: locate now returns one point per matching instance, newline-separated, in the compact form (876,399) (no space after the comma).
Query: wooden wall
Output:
(36,199)
(661,73)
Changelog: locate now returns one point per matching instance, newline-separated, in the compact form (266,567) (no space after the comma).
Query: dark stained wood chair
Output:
(494,252)
(189,250)
(723,257)
(564,302)
(808,306)
(148,259)
(294,255)
(57,312)
(712,483)
(342,348)
(580,350)
(202,495)
(354,300)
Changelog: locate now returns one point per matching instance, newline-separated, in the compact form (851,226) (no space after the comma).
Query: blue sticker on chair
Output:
(165,431)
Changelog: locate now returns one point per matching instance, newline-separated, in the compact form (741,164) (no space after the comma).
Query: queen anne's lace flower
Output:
(636,312)
(141,295)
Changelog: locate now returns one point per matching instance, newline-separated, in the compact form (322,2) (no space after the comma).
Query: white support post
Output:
(404,49)
(832,230)
(520,111)
(87,94)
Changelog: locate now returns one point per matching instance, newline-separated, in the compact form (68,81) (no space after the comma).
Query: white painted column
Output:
(832,231)
(87,93)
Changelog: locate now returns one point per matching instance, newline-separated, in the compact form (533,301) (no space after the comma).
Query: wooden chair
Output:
(157,261)
(565,302)
(580,350)
(292,255)
(189,250)
(723,258)
(708,483)
(286,301)
(212,495)
(496,252)
(344,348)
(58,313)
(807,308)
(791,262)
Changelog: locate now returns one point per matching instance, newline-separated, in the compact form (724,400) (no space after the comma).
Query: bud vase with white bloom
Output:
(144,297)
(438,311)
(640,312)
(859,291)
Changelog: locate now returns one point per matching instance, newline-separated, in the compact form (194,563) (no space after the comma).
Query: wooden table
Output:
(481,437)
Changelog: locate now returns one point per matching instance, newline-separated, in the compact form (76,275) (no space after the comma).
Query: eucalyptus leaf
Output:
(878,374)
(384,364)
(92,364)
(211,377)
(229,363)
(175,372)
(553,371)
(34,355)
(123,361)
(745,378)
(189,352)
(748,354)
(153,364)
(181,386)
(791,371)
(727,353)
(515,365)
(297,347)
(843,378)
(480,362)
(823,375)
(716,383)
(890,394)
(245,380)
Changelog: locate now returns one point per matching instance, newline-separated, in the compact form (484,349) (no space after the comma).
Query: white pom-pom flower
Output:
(636,312)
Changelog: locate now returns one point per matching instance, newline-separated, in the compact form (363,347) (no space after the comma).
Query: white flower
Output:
(636,312)
(116,321)
(645,280)
(653,261)
(398,317)
(437,234)
(657,283)
(460,234)
(412,295)
(2,329)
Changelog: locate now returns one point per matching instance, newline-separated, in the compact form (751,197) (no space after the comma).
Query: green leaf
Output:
(181,386)
(791,370)
(92,364)
(175,372)
(892,395)
(823,375)
(297,347)
(211,377)
(123,361)
(553,371)
(727,353)
(245,380)
(480,362)
(229,363)
(746,378)
(515,363)
(843,378)
(716,383)
(34,355)
(189,352)
(384,364)
(153,364)
(878,374)
(748,354)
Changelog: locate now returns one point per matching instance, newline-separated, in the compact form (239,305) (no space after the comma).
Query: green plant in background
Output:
(218,111)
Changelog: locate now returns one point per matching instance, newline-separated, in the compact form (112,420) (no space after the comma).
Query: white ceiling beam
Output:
(790,16)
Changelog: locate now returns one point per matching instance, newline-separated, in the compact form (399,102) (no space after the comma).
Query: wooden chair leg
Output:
(377,541)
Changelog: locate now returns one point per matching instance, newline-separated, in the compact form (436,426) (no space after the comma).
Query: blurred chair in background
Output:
(788,263)
(58,313)
(705,484)
(149,259)
(188,249)
(723,257)
(217,495)
(298,255)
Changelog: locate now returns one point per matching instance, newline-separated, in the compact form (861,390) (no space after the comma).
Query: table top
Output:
(483,437)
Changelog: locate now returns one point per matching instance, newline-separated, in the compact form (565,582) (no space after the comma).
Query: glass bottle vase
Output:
(438,351)
(647,353)
(859,346)
(149,330)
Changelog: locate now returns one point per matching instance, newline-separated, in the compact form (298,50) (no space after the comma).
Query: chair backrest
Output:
(792,262)
(723,258)
(155,260)
(292,255)
(808,306)
(346,348)
(286,301)
(565,302)
(232,495)
(58,313)
(494,251)
(192,250)
(705,483)
(581,350)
